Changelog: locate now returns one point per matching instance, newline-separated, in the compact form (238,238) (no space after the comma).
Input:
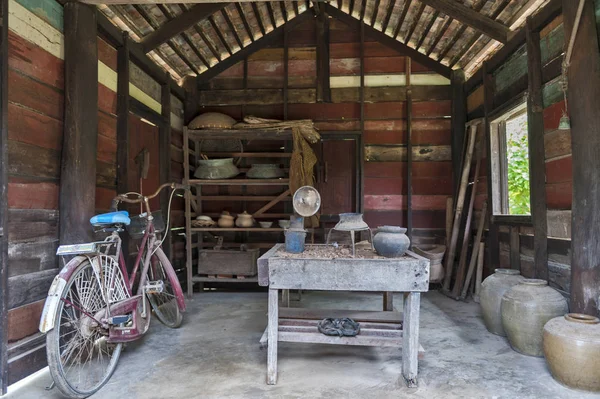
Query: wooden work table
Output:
(366,272)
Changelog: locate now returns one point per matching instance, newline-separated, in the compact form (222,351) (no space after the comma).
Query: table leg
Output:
(410,338)
(273,328)
(388,301)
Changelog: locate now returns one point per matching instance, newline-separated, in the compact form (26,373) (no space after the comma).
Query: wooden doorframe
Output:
(4,199)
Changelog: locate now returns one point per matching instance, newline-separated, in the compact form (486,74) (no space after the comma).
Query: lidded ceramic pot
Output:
(214,169)
(226,220)
(526,308)
(572,350)
(244,219)
(490,298)
(391,241)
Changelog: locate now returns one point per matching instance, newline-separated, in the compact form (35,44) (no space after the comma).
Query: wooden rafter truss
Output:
(193,39)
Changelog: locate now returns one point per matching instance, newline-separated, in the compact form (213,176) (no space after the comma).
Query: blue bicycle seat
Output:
(120,217)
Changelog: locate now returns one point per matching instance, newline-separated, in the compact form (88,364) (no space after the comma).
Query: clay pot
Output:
(526,308)
(214,169)
(572,350)
(244,220)
(435,254)
(226,220)
(390,241)
(492,289)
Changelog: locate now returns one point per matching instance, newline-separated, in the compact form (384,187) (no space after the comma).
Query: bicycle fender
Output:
(54,293)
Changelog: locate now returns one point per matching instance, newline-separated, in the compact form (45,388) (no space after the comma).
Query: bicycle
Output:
(94,306)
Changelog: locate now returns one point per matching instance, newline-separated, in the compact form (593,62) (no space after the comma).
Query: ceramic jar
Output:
(214,169)
(526,308)
(265,171)
(226,220)
(244,219)
(435,254)
(490,298)
(572,350)
(391,241)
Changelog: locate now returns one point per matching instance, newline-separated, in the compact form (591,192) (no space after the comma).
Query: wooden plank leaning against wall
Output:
(554,149)
(3,198)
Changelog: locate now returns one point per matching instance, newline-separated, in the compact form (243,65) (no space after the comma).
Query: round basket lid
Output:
(306,201)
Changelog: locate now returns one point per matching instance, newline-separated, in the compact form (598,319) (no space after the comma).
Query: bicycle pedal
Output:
(154,287)
(116,320)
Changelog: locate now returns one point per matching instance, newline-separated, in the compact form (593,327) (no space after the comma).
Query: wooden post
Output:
(123,57)
(4,199)
(584,92)
(515,248)
(488,106)
(479,276)
(164,160)
(190,105)
(78,163)
(409,155)
(360,142)
(537,154)
(410,338)
(272,334)
(285,73)
(322,28)
(459,119)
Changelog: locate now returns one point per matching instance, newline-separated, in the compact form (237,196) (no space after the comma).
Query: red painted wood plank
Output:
(35,95)
(442,125)
(421,219)
(24,320)
(107,125)
(398,169)
(107,150)
(28,126)
(324,111)
(552,115)
(396,202)
(34,61)
(31,194)
(431,137)
(560,170)
(107,100)
(383,186)
(107,54)
(420,109)
(345,125)
(559,195)
(397,186)
(104,197)
(432,186)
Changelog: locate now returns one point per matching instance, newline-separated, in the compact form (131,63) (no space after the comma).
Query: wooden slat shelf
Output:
(200,279)
(242,134)
(271,229)
(240,198)
(241,182)
(216,216)
(248,154)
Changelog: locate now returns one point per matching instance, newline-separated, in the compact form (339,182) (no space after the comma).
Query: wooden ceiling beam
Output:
(270,38)
(220,35)
(229,23)
(427,29)
(388,16)
(256,12)
(414,24)
(472,18)
(179,24)
(388,41)
(240,11)
(401,19)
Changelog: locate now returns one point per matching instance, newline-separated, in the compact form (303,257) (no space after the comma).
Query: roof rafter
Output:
(388,41)
(472,18)
(180,23)
(272,37)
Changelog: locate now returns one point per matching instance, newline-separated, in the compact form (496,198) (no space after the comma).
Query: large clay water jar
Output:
(391,241)
(490,298)
(572,350)
(526,308)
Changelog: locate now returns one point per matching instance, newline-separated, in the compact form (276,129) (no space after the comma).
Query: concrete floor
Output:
(215,354)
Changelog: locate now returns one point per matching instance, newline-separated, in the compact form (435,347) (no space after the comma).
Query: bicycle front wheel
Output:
(164,303)
(79,357)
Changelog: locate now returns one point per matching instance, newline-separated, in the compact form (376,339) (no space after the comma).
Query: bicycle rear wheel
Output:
(80,358)
(164,303)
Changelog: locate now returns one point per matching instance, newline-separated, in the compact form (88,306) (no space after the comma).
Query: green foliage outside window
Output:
(517,152)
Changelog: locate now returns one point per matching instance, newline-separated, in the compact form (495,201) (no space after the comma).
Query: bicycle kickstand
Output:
(52,385)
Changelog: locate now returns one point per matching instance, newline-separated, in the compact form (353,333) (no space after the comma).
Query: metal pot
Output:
(265,171)
(215,169)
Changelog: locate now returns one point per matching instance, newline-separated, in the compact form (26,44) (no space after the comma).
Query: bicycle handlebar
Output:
(143,198)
